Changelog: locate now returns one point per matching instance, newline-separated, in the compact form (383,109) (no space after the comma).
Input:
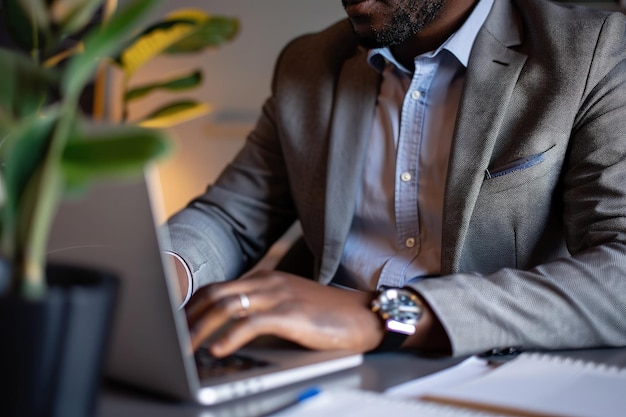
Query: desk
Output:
(377,373)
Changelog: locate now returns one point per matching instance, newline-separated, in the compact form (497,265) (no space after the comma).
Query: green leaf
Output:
(24,86)
(73,15)
(103,42)
(175,113)
(111,151)
(210,33)
(180,83)
(23,152)
(20,18)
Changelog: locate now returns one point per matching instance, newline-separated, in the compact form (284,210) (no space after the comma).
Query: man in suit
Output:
(470,153)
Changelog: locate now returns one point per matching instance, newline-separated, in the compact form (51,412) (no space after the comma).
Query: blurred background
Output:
(237,78)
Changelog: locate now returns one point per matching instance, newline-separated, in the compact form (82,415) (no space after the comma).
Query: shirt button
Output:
(410,242)
(405,177)
(415,95)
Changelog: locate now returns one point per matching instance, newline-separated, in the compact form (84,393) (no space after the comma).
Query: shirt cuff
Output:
(181,261)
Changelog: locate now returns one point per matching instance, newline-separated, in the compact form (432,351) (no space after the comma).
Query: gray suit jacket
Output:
(534,233)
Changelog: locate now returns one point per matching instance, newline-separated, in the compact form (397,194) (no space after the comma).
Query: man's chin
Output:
(367,38)
(368,42)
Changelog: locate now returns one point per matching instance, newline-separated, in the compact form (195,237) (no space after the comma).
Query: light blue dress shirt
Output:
(396,231)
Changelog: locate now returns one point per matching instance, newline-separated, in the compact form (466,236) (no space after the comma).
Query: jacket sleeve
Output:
(225,231)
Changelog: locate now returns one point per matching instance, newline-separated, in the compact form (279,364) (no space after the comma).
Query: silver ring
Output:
(245,303)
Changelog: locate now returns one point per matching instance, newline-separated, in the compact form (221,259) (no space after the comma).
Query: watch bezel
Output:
(396,321)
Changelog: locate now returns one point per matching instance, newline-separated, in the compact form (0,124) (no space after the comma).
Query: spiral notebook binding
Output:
(578,363)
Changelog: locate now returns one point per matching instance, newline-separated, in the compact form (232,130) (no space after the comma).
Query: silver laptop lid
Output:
(114,226)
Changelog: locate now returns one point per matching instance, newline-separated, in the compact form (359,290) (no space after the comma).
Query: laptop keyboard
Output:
(210,367)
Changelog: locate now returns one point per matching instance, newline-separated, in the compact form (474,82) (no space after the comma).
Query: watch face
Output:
(399,305)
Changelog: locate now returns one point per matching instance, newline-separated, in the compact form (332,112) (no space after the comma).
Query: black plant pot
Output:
(52,350)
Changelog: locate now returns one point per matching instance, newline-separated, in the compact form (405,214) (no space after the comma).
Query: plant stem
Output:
(46,191)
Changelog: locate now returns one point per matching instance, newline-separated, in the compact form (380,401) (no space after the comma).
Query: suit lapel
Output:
(354,107)
(492,73)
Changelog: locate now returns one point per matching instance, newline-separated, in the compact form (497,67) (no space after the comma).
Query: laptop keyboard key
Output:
(210,367)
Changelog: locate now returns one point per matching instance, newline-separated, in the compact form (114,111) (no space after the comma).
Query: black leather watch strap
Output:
(391,341)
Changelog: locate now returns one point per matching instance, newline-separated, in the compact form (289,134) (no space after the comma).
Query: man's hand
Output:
(287,306)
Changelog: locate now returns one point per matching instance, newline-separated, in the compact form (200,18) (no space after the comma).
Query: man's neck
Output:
(450,19)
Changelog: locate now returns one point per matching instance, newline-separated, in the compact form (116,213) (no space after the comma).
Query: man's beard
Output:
(404,23)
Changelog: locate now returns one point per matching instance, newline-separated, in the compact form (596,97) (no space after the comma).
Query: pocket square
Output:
(516,165)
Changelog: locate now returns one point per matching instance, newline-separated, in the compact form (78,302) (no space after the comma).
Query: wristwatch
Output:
(400,310)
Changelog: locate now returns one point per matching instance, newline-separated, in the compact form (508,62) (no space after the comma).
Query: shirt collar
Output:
(459,43)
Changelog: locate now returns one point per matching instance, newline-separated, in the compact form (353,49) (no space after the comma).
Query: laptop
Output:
(115,226)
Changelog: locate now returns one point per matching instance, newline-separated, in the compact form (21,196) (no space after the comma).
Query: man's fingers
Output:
(231,296)
(246,329)
(209,296)
(222,311)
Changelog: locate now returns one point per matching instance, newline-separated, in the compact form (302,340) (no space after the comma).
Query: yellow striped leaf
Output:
(175,113)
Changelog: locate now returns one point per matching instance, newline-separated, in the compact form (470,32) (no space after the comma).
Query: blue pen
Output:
(302,396)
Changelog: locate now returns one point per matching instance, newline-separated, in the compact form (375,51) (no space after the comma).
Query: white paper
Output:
(471,368)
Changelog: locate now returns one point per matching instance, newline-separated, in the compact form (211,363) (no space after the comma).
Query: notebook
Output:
(542,385)
(115,226)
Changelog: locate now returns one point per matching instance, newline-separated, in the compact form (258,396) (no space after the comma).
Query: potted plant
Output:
(54,319)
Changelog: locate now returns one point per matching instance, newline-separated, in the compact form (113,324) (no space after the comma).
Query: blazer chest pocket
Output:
(517,165)
(519,171)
